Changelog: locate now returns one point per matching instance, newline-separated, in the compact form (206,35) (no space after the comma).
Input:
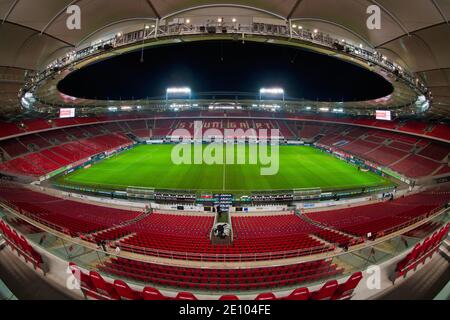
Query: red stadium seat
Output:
(266,296)
(228,298)
(152,294)
(326,292)
(185,296)
(103,287)
(299,294)
(345,290)
(86,285)
(125,292)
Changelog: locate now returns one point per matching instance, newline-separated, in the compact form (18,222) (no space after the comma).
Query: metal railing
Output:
(241,30)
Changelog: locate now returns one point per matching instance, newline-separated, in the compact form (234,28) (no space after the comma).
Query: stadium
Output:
(247,150)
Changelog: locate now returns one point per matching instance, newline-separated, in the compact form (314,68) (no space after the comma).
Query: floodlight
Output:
(181,90)
(271,91)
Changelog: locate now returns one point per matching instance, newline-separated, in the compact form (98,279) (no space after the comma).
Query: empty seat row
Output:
(421,252)
(70,217)
(21,246)
(205,279)
(94,286)
(382,218)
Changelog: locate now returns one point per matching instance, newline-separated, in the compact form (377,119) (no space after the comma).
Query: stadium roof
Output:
(414,33)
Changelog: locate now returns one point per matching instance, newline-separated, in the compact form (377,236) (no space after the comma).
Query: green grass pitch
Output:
(151,166)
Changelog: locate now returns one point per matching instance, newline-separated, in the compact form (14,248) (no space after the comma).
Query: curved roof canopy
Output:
(414,33)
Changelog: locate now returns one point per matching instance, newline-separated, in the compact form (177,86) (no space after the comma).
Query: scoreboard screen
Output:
(383,115)
(67,113)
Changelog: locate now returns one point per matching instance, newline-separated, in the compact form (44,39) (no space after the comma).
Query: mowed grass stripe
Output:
(151,166)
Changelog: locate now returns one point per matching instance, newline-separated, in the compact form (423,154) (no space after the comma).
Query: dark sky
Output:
(225,66)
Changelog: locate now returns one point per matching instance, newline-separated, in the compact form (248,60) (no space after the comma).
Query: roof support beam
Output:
(438,8)
(150,3)
(397,21)
(414,31)
(223,5)
(37,31)
(294,8)
(10,10)
(57,15)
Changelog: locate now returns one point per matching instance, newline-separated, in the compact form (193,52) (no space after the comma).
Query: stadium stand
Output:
(95,287)
(9,129)
(221,279)
(418,127)
(360,147)
(420,253)
(13,147)
(441,131)
(436,151)
(81,218)
(21,246)
(385,156)
(380,219)
(46,161)
(34,140)
(415,166)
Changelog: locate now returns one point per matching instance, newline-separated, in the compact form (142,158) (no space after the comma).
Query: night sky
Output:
(230,66)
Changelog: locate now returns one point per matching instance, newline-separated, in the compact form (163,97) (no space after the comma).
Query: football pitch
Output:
(151,166)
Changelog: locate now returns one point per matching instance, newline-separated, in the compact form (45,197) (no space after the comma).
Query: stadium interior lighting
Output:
(188,21)
(185,90)
(324,109)
(308,108)
(271,91)
(338,110)
(219,20)
(234,20)
(112,108)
